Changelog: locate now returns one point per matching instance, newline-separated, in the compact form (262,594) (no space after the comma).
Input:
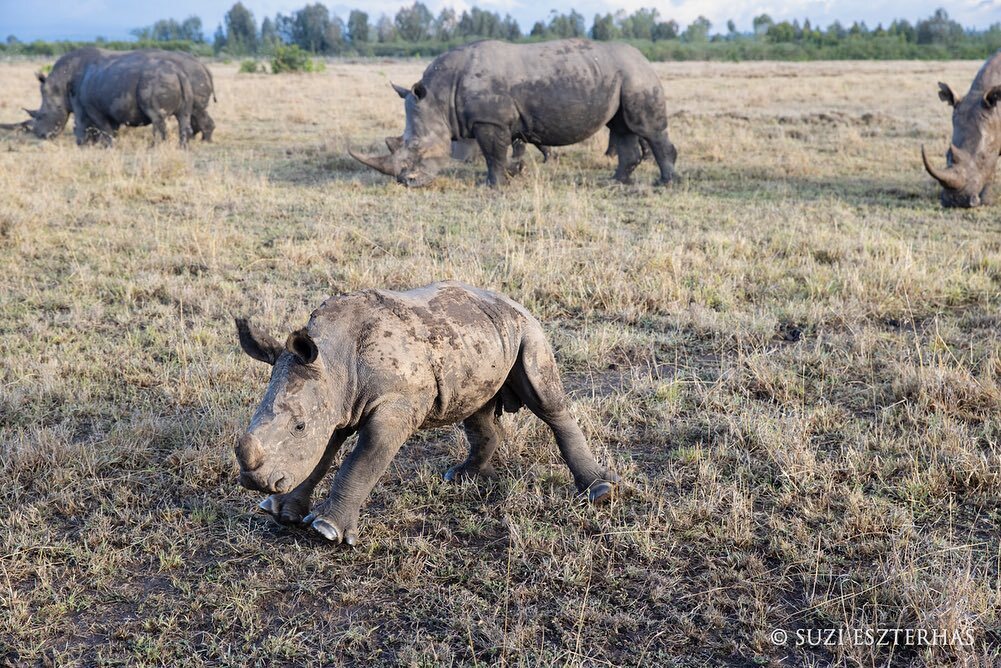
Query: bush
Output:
(252,67)
(293,59)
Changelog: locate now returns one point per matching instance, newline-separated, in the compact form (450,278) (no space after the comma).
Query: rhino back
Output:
(554,93)
(447,347)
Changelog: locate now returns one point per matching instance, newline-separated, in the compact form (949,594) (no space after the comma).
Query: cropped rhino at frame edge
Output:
(976,140)
(547,94)
(384,364)
(58,86)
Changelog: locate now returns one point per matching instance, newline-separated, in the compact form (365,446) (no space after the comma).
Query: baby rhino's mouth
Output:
(278,482)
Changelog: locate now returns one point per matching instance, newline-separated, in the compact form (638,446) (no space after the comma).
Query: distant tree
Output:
(269,35)
(413,24)
(385,29)
(191,30)
(567,25)
(604,28)
(762,23)
(731,28)
(241,31)
(779,33)
(218,40)
(939,29)
(697,31)
(510,28)
(538,29)
(358,26)
(446,26)
(664,30)
(640,24)
(310,28)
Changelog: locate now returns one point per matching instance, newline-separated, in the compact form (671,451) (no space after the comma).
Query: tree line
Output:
(415,30)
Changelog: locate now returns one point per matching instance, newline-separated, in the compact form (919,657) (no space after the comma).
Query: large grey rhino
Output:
(384,364)
(120,91)
(548,94)
(976,139)
(67,73)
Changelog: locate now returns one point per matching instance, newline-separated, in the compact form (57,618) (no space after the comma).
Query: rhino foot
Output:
(285,508)
(465,472)
(601,492)
(329,529)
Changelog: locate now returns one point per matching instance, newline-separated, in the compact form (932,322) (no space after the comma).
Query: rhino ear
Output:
(257,344)
(401,91)
(992,97)
(946,95)
(301,344)
(420,92)
(394,143)
(40,76)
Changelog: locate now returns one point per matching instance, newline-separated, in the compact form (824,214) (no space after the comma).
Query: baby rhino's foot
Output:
(285,508)
(332,529)
(603,490)
(466,472)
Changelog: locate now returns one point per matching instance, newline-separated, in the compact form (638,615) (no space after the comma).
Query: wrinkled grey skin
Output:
(385,364)
(118,92)
(548,94)
(67,73)
(976,139)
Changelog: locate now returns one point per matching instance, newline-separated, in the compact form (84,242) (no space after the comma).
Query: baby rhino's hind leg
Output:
(484,435)
(536,379)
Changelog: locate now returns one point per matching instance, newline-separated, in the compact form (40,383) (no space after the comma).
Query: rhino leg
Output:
(484,435)
(495,142)
(536,380)
(627,148)
(291,507)
(336,518)
(665,154)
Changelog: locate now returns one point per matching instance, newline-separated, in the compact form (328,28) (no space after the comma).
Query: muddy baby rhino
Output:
(385,364)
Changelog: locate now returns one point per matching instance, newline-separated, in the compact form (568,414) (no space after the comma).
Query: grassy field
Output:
(793,357)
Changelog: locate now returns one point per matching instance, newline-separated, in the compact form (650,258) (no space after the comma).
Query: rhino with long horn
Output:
(547,94)
(976,139)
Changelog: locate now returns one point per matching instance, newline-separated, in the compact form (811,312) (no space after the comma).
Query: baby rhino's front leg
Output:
(291,507)
(336,518)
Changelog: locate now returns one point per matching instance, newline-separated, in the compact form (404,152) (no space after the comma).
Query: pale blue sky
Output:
(86,19)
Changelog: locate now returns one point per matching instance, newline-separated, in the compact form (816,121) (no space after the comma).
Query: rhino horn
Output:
(384,164)
(947,177)
(33,114)
(394,143)
(401,91)
(23,125)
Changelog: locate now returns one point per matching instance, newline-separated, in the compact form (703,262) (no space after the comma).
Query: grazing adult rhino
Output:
(548,94)
(67,73)
(120,91)
(384,364)
(976,139)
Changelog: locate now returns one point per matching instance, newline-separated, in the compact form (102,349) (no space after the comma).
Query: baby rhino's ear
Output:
(301,344)
(257,344)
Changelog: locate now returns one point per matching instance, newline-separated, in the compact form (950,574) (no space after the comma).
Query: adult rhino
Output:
(383,364)
(976,139)
(548,94)
(128,91)
(67,73)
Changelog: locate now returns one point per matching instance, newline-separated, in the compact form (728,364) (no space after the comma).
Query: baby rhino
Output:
(385,364)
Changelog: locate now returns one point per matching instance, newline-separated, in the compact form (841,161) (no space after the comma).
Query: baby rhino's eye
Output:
(300,426)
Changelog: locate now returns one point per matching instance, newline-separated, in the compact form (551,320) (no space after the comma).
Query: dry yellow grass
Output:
(793,357)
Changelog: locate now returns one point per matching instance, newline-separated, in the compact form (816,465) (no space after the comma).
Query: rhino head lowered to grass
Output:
(68,72)
(976,139)
(547,94)
(384,364)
